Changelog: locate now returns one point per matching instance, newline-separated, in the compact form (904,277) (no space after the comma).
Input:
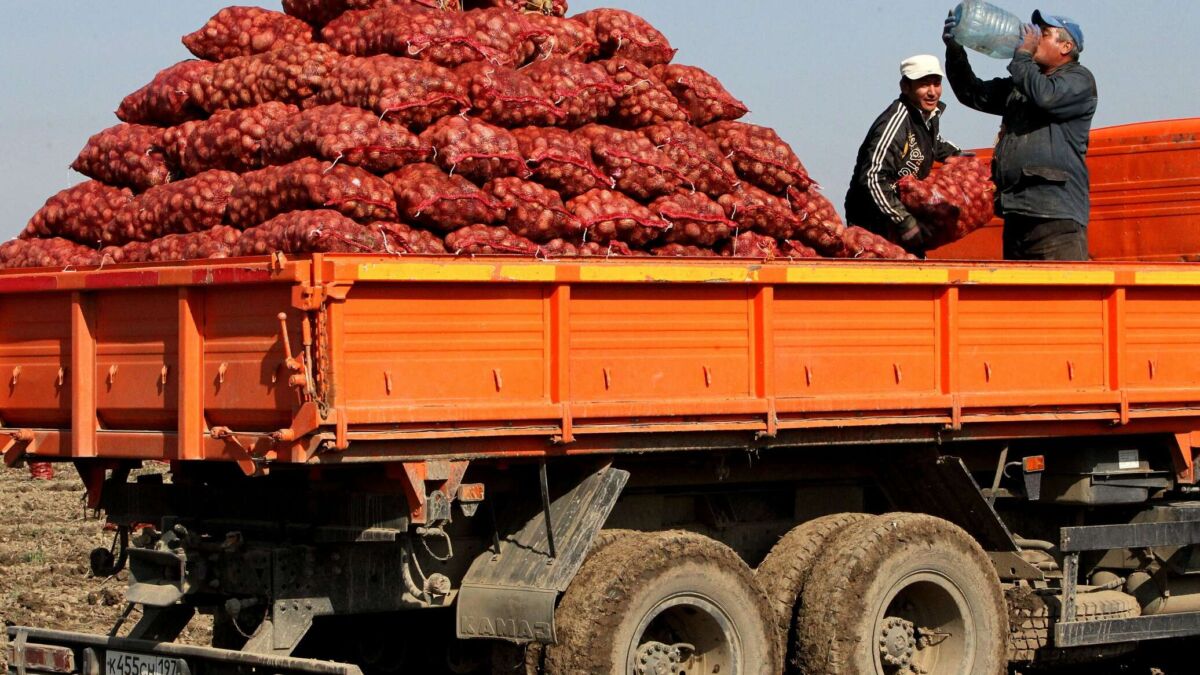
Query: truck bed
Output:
(398,359)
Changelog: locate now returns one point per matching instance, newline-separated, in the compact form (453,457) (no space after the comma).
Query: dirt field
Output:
(45,540)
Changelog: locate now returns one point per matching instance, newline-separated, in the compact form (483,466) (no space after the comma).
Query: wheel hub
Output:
(897,643)
(656,658)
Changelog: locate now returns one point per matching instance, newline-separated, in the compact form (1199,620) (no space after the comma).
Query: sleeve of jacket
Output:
(944,149)
(885,144)
(988,97)
(1065,96)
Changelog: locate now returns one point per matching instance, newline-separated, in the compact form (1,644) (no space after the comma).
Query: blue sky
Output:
(818,72)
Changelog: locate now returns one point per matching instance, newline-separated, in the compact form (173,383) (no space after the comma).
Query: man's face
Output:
(924,93)
(1052,52)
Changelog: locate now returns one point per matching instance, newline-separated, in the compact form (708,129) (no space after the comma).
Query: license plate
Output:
(124,663)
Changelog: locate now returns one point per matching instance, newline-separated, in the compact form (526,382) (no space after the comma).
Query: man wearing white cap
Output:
(905,140)
(1040,166)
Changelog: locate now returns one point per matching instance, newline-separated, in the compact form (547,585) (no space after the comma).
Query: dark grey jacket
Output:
(1039,167)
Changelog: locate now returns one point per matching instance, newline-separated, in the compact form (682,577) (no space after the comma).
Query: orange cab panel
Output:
(855,341)
(35,354)
(1014,339)
(660,344)
(435,347)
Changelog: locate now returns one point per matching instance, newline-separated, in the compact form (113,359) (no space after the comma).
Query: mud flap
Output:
(510,595)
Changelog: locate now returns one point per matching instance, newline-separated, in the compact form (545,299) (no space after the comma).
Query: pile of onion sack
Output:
(955,200)
(426,127)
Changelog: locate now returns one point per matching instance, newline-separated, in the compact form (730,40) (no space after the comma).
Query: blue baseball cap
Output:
(1066,23)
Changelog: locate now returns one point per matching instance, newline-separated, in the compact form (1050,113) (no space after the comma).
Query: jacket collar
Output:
(918,115)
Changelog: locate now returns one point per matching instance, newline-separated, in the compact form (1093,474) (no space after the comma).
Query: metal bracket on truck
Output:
(510,591)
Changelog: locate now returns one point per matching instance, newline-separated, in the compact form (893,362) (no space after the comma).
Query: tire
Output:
(1032,617)
(785,570)
(639,596)
(900,590)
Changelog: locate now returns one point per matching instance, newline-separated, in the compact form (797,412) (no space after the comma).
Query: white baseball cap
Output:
(922,65)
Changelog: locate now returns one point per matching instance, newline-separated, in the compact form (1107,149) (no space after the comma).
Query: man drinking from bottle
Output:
(1046,105)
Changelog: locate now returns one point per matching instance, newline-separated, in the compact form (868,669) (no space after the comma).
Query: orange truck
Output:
(423,465)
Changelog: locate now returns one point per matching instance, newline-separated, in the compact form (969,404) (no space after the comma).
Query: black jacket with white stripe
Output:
(901,143)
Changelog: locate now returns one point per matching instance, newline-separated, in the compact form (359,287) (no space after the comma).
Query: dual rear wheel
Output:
(850,594)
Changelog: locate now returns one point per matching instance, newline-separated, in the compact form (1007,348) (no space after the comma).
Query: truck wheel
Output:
(903,593)
(666,602)
(784,572)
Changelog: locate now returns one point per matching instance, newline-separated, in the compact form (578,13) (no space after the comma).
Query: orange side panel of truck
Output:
(385,358)
(1145,182)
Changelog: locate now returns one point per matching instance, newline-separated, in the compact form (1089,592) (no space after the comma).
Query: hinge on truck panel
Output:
(18,443)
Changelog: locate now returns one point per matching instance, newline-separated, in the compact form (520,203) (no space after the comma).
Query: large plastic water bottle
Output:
(987,29)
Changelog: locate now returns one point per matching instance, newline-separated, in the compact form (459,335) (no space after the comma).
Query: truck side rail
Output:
(342,358)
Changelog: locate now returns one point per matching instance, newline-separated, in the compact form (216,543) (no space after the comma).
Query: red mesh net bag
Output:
(290,74)
(167,99)
(133,252)
(534,212)
(426,195)
(553,36)
(402,239)
(628,35)
(643,100)
(310,183)
(694,218)
(583,91)
(56,253)
(448,39)
(488,240)
(505,31)
(128,155)
(797,251)
(561,160)
(190,205)
(78,213)
(474,148)
(638,168)
(553,8)
(563,248)
(41,471)
(702,95)
(820,226)
(607,215)
(219,242)
(318,231)
(244,31)
(755,210)
(507,97)
(863,244)
(343,134)
(682,251)
(956,199)
(760,156)
(699,160)
(751,245)
(230,140)
(321,12)
(406,91)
